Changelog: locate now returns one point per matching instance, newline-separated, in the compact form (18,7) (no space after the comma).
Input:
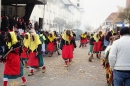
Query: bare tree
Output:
(59,22)
(124,14)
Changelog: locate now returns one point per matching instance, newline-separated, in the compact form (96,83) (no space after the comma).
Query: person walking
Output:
(13,66)
(66,46)
(35,58)
(119,59)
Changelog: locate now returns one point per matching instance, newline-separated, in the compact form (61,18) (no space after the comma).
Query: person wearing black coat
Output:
(2,43)
(12,23)
(5,24)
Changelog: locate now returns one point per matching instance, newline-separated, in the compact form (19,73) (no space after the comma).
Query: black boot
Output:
(90,58)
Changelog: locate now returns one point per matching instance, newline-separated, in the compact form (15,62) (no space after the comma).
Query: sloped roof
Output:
(112,15)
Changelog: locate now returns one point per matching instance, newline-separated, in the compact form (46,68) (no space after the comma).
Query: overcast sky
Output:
(96,11)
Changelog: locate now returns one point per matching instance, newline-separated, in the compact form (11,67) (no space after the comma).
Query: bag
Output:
(41,39)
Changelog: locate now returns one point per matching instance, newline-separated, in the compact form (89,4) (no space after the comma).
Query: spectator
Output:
(12,23)
(2,42)
(29,25)
(19,24)
(5,24)
(23,25)
(36,26)
(106,40)
(119,59)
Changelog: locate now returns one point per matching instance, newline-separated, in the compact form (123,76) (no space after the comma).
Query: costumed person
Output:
(86,40)
(42,39)
(57,42)
(35,57)
(96,45)
(13,66)
(91,48)
(51,44)
(83,39)
(24,54)
(100,42)
(66,46)
(105,62)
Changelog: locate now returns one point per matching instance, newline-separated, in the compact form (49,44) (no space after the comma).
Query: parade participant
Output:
(83,39)
(51,44)
(25,47)
(86,40)
(66,46)
(100,42)
(106,65)
(96,46)
(57,42)
(42,39)
(91,47)
(13,67)
(35,57)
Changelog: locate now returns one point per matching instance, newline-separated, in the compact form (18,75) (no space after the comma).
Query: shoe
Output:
(90,59)
(66,63)
(97,56)
(50,55)
(70,60)
(30,74)
(43,70)
(23,84)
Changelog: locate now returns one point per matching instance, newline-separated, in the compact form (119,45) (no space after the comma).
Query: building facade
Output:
(127,3)
(55,15)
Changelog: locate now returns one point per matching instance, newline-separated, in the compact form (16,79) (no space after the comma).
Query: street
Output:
(79,73)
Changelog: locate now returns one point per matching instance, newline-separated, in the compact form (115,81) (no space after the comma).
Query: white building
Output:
(62,10)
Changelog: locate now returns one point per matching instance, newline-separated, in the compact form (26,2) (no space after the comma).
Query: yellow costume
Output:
(95,37)
(51,39)
(66,37)
(13,41)
(26,42)
(83,35)
(34,44)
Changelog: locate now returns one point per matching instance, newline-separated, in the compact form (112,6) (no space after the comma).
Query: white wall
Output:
(37,13)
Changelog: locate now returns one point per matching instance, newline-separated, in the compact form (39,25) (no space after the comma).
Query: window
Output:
(5,9)
(10,11)
(78,5)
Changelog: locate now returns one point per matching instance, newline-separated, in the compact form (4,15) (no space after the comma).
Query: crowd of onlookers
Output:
(20,27)
(10,23)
